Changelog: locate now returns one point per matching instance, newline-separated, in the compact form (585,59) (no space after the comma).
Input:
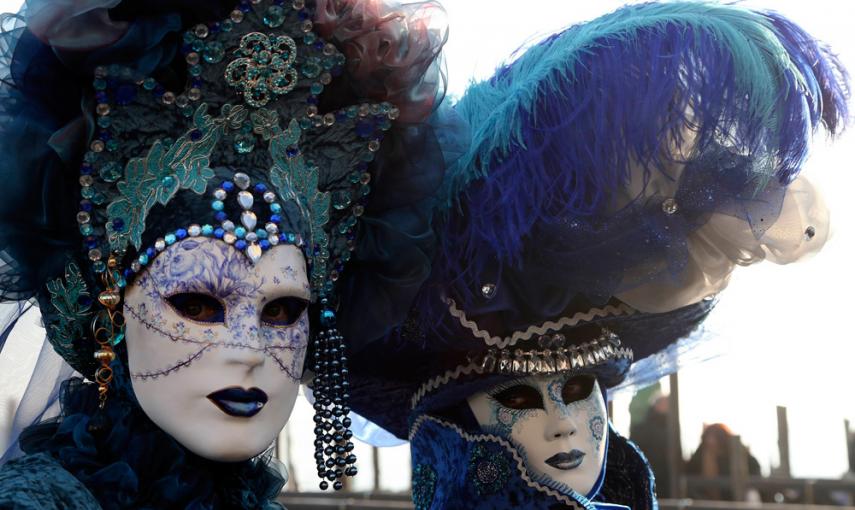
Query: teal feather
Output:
(500,109)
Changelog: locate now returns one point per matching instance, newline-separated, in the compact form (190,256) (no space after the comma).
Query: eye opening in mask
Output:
(577,388)
(198,307)
(519,396)
(283,312)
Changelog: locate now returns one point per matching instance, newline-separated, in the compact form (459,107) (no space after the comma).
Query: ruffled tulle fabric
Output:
(392,49)
(40,401)
(74,24)
(134,464)
(396,242)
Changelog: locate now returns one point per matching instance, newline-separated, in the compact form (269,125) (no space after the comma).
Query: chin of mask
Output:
(558,423)
(216,344)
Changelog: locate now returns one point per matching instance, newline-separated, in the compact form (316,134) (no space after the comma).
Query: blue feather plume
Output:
(555,132)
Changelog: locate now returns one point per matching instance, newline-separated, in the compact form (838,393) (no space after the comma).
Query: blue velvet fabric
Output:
(454,470)
(132,463)
(39,482)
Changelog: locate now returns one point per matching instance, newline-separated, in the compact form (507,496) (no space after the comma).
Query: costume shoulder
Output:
(38,482)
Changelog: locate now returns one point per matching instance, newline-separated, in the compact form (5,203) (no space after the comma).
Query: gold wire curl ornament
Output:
(108,328)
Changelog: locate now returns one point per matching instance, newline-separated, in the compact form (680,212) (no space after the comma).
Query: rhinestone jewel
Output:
(669,206)
(245,199)
(488,290)
(254,251)
(242,180)
(249,220)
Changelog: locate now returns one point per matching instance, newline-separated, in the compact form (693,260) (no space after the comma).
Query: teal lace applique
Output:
(265,69)
(265,123)
(72,301)
(156,177)
(489,470)
(295,179)
(424,486)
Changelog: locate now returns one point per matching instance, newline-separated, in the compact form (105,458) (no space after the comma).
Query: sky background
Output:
(787,329)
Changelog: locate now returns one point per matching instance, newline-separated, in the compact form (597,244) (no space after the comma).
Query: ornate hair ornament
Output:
(251,101)
(550,355)
(554,357)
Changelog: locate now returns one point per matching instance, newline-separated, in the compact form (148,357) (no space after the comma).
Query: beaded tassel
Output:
(333,446)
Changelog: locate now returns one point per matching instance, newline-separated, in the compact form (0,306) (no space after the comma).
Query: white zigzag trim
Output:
(483,438)
(443,379)
(546,327)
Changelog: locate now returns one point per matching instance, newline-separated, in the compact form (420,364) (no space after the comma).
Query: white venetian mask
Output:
(216,344)
(558,423)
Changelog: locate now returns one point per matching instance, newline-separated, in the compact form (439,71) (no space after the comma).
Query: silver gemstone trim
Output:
(604,349)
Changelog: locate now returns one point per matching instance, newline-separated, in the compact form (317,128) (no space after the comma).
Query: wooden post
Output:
(375,460)
(675,443)
(285,456)
(738,468)
(783,442)
(849,446)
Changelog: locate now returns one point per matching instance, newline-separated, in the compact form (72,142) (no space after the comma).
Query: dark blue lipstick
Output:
(239,402)
(566,461)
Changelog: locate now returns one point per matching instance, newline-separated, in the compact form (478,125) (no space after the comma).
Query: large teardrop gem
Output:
(242,180)
(254,251)
(245,199)
(249,220)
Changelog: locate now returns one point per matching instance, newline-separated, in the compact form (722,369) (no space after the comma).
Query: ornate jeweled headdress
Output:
(252,101)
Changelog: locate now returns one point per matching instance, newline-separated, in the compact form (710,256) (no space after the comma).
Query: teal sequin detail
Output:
(424,486)
(489,469)
(111,171)
(214,52)
(157,176)
(73,303)
(265,69)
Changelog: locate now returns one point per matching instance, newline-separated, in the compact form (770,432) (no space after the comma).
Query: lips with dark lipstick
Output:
(239,402)
(566,461)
